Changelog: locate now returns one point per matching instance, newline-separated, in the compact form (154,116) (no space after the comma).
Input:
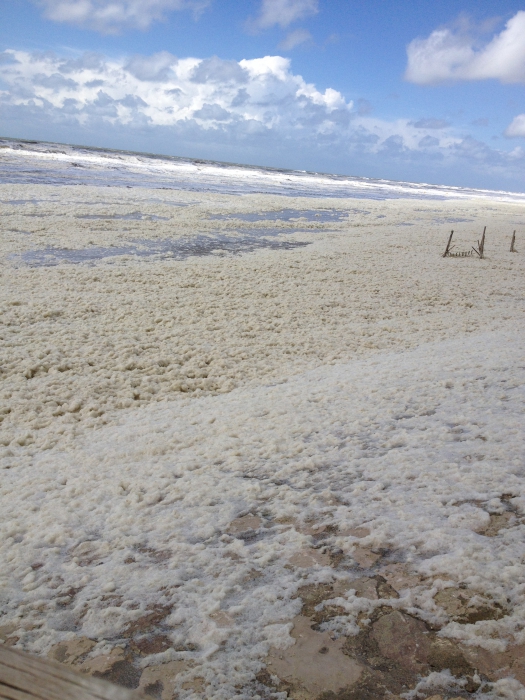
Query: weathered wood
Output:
(26,677)
(447,249)
(512,249)
(482,244)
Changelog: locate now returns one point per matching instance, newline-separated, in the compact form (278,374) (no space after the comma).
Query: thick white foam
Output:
(420,447)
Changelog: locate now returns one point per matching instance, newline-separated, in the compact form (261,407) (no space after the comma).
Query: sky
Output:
(431,91)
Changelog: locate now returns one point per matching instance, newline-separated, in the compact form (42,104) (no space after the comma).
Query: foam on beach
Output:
(189,443)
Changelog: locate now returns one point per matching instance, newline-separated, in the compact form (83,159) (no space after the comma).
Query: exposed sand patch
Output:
(315,662)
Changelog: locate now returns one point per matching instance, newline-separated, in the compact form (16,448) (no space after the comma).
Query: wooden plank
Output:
(10,693)
(26,677)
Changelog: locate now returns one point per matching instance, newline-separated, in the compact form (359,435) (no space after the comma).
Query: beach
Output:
(254,444)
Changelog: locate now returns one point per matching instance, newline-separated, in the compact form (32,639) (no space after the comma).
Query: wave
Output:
(41,162)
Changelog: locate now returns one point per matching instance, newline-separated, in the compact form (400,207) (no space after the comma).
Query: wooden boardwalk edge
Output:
(27,677)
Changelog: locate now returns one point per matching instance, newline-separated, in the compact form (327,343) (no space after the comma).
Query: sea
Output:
(41,162)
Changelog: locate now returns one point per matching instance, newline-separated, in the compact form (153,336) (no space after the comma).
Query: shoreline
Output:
(108,167)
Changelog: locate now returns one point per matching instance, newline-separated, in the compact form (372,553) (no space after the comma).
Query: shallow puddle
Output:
(450,220)
(315,215)
(20,201)
(134,216)
(179,249)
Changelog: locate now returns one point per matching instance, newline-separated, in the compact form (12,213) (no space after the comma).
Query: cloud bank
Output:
(114,16)
(162,90)
(448,55)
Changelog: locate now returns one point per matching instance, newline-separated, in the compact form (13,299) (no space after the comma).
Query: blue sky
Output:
(426,91)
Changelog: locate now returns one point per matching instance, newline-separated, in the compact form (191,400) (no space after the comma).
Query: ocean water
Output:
(39,162)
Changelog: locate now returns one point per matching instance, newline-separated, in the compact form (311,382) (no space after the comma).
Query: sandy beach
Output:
(264,446)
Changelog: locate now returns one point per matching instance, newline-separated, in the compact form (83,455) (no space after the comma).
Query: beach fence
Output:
(27,677)
(479,251)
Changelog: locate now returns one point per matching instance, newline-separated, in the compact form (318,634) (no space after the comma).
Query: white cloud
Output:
(516,127)
(113,16)
(162,90)
(448,55)
(295,38)
(284,12)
